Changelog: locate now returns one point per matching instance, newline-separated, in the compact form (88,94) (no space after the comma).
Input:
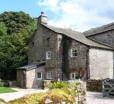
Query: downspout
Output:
(87,65)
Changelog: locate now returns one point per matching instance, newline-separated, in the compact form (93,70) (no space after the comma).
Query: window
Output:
(39,75)
(48,41)
(48,55)
(49,75)
(74,76)
(73,52)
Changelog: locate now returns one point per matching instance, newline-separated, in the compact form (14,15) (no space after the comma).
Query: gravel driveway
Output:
(97,98)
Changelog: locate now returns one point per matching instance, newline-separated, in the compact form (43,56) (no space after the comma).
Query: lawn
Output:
(6,90)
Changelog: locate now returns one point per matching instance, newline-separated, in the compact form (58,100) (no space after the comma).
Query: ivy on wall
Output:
(66,43)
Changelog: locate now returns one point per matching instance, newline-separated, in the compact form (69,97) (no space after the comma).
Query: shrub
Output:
(57,85)
(29,99)
(60,91)
(55,95)
(1,84)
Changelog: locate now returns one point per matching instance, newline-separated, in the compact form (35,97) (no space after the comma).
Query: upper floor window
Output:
(74,52)
(48,41)
(49,75)
(39,75)
(48,54)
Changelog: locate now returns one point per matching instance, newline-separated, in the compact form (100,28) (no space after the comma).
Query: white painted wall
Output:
(31,77)
(100,63)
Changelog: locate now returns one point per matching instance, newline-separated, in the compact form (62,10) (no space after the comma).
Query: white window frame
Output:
(73,74)
(40,77)
(49,75)
(48,55)
(72,52)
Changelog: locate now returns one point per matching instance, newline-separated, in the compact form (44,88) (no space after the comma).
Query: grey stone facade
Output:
(105,38)
(46,40)
(70,55)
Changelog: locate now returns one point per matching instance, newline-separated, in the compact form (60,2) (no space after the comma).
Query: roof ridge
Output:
(61,28)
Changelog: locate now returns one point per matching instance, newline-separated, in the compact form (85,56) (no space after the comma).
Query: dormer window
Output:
(74,52)
(48,54)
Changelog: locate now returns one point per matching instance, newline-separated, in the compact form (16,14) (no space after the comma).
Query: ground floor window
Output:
(74,76)
(39,75)
(49,75)
(48,54)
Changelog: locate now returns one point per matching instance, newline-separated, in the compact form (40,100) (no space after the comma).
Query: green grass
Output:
(6,90)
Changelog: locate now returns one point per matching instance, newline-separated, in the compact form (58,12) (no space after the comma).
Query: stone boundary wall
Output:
(94,85)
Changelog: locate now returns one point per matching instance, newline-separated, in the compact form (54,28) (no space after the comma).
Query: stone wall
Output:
(105,37)
(100,63)
(46,40)
(94,85)
(77,64)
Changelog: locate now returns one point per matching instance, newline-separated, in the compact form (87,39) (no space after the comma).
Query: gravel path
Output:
(21,92)
(97,98)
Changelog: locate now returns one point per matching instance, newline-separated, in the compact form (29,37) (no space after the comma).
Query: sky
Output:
(80,15)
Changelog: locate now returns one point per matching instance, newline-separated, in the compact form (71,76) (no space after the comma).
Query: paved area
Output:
(21,92)
(97,98)
(92,97)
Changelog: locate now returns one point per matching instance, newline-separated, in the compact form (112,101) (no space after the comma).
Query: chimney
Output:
(42,19)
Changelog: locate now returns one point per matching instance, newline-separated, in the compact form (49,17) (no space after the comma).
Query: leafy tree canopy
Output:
(15,30)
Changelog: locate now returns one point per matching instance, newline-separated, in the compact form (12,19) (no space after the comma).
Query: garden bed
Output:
(58,92)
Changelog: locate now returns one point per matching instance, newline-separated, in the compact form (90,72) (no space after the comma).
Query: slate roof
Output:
(100,29)
(31,66)
(78,36)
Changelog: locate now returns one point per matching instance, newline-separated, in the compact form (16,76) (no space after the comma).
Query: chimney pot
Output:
(42,13)
(42,19)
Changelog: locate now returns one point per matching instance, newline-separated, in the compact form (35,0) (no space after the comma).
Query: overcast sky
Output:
(76,14)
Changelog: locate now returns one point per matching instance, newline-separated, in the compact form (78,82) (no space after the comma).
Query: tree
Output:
(3,29)
(15,21)
(15,30)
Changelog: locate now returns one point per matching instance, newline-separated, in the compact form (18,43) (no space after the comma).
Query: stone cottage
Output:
(64,54)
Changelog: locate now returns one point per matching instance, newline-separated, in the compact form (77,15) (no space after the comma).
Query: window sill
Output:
(49,79)
(39,79)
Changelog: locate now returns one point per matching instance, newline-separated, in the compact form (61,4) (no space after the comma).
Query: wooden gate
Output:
(108,87)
